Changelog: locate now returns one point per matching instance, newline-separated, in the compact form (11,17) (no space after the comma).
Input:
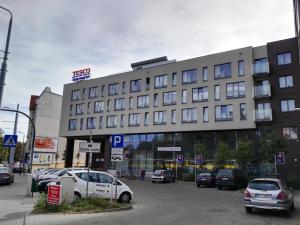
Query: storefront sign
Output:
(89,147)
(42,158)
(81,74)
(169,149)
(45,144)
(54,194)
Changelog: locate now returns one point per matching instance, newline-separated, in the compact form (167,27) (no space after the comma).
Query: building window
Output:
(189,115)
(184,97)
(75,95)
(93,92)
(173,116)
(90,123)
(122,122)
(224,112)
(155,101)
(143,101)
(98,106)
(102,90)
(111,121)
(189,76)
(205,74)
(286,81)
(71,110)
(200,94)
(243,115)
(101,122)
(287,105)
(79,109)
(236,90)
(290,133)
(88,107)
(124,87)
(205,114)
(131,103)
(222,70)
(81,124)
(217,92)
(83,93)
(160,118)
(174,79)
(113,89)
(264,111)
(284,58)
(119,104)
(241,68)
(169,98)
(261,66)
(72,124)
(160,81)
(146,119)
(135,85)
(134,119)
(147,86)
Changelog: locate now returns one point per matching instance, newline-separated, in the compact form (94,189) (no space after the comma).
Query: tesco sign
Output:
(81,74)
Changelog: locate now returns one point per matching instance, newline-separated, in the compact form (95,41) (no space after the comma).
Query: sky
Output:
(52,38)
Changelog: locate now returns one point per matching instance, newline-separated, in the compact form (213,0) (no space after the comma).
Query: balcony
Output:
(261,69)
(263,115)
(262,91)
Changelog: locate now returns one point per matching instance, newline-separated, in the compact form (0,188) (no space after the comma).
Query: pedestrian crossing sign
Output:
(10,141)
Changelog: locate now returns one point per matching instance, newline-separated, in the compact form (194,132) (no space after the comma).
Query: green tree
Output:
(244,153)
(223,153)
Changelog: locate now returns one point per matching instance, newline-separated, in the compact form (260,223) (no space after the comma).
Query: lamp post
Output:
(4,64)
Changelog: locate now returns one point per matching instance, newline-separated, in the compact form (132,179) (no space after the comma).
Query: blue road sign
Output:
(280,158)
(10,141)
(199,159)
(117,141)
(179,159)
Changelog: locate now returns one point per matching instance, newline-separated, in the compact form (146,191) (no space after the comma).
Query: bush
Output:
(293,181)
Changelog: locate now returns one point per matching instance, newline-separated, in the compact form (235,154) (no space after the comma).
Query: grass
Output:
(79,205)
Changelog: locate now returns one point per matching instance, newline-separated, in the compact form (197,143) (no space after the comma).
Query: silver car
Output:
(268,193)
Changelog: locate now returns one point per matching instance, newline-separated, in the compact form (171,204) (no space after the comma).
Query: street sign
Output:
(117,141)
(169,149)
(117,151)
(179,159)
(89,147)
(116,158)
(54,194)
(280,158)
(198,159)
(10,141)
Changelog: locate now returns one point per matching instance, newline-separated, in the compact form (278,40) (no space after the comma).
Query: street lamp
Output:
(4,64)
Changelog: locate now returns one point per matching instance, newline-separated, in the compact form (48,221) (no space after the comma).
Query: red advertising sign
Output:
(54,194)
(45,144)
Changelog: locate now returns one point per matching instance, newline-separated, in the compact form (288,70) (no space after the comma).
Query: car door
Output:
(105,185)
(82,183)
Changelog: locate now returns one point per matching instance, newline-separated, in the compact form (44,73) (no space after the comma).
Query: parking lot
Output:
(172,203)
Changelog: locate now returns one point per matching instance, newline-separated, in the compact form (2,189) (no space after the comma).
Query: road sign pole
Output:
(12,149)
(89,165)
(116,182)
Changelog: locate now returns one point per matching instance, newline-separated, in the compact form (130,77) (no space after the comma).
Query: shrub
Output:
(293,181)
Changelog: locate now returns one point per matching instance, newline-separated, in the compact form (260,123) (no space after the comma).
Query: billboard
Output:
(45,144)
(42,158)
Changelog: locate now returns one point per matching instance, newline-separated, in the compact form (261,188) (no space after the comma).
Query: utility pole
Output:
(12,149)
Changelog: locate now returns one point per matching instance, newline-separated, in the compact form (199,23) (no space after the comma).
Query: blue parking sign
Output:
(179,159)
(280,158)
(117,141)
(198,159)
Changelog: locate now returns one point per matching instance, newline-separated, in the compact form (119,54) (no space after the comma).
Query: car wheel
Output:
(248,209)
(292,206)
(153,182)
(164,181)
(125,198)
(12,180)
(198,185)
(77,195)
(288,212)
(219,188)
(174,180)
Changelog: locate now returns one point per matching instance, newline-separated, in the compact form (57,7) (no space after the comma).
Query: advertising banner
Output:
(45,144)
(54,194)
(42,158)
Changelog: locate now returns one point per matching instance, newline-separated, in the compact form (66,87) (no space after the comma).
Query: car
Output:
(163,176)
(231,178)
(6,177)
(268,193)
(207,179)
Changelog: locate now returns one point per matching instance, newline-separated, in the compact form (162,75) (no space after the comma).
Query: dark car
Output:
(163,176)
(208,179)
(6,177)
(231,178)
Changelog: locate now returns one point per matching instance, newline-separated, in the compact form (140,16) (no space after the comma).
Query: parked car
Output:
(207,179)
(6,177)
(231,178)
(163,176)
(268,193)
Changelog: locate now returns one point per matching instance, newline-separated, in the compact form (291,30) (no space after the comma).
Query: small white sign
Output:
(116,158)
(89,147)
(169,149)
(117,151)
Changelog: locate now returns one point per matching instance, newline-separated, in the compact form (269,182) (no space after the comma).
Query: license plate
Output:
(263,195)
(203,179)
(224,178)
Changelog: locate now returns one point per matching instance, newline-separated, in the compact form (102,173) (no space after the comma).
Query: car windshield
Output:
(204,174)
(266,185)
(158,172)
(226,172)
(3,170)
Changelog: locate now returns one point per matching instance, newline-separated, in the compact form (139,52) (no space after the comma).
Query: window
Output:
(122,123)
(224,112)
(98,106)
(159,118)
(169,98)
(102,90)
(222,70)
(72,124)
(173,116)
(75,95)
(160,81)
(111,121)
(236,90)
(189,115)
(81,124)
(135,85)
(174,79)
(93,92)
(119,104)
(155,101)
(205,114)
(205,74)
(147,86)
(124,87)
(286,81)
(88,107)
(143,101)
(290,132)
(200,94)
(146,119)
(90,123)
(287,105)
(243,115)
(113,89)
(184,97)
(108,105)
(101,122)
(284,58)
(189,76)
(217,92)
(134,119)
(241,69)
(71,110)
(83,93)
(261,66)
(79,109)
(130,102)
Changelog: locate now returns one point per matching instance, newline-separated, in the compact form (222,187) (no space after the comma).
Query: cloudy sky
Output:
(52,38)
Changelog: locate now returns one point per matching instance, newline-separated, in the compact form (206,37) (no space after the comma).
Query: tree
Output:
(223,153)
(244,153)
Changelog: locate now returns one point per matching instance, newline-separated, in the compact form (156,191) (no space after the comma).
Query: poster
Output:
(42,158)
(45,144)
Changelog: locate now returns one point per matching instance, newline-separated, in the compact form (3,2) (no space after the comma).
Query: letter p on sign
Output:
(117,141)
